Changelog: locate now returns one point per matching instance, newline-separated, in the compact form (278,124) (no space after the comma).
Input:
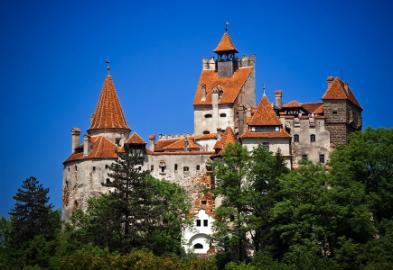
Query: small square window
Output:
(198,223)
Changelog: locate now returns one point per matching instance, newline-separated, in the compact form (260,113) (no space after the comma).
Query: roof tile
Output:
(225,44)
(264,115)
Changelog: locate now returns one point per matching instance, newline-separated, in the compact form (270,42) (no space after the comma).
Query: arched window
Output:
(198,246)
(312,138)
(223,115)
(296,138)
(208,115)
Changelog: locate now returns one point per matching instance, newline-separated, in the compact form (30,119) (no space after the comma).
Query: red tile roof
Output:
(100,148)
(227,138)
(205,136)
(313,107)
(230,86)
(225,44)
(109,113)
(135,139)
(182,144)
(265,134)
(338,90)
(292,104)
(264,115)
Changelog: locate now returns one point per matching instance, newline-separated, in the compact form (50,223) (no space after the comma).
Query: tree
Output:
(264,172)
(32,214)
(138,212)
(320,215)
(368,159)
(233,215)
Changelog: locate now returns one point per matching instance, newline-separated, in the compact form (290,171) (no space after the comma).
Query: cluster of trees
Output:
(335,217)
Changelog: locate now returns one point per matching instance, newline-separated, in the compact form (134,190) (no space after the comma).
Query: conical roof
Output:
(225,44)
(109,114)
(264,115)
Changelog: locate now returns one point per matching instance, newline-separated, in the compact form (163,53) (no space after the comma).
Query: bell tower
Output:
(226,55)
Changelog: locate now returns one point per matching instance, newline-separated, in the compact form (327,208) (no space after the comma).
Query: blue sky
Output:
(52,66)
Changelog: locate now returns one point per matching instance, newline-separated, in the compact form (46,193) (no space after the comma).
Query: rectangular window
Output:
(322,158)
(304,157)
(198,223)
(205,222)
(152,168)
(186,169)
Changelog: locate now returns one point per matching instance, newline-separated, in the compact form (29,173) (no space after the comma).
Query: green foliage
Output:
(140,212)
(32,214)
(368,159)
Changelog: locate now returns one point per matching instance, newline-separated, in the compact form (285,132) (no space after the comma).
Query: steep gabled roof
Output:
(338,90)
(230,86)
(135,139)
(227,138)
(100,147)
(181,144)
(225,44)
(109,114)
(264,115)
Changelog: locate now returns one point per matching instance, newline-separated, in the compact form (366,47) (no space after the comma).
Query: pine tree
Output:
(32,214)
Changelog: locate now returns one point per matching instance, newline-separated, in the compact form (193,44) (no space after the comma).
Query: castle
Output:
(225,111)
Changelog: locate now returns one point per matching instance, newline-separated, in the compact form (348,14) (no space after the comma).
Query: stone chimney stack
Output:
(152,139)
(278,95)
(329,80)
(85,145)
(75,134)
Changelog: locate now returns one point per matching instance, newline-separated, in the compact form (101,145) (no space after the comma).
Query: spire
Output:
(265,115)
(108,66)
(264,90)
(109,114)
(225,45)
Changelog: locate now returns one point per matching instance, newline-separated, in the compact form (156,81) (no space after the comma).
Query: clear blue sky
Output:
(52,66)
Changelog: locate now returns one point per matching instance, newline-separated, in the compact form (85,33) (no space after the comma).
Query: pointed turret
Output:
(108,119)
(225,45)
(109,114)
(264,115)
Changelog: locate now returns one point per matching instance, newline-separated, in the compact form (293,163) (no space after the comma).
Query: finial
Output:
(226,26)
(108,66)
(264,90)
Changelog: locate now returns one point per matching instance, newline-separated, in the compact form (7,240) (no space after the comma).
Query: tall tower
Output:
(226,52)
(342,110)
(108,120)
(226,90)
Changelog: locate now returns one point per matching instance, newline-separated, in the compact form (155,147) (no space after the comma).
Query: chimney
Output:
(152,139)
(329,80)
(85,145)
(75,135)
(278,95)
